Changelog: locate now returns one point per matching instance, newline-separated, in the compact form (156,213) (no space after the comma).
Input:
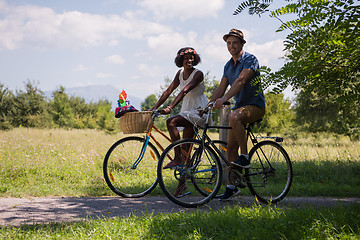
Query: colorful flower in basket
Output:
(123,105)
(122,99)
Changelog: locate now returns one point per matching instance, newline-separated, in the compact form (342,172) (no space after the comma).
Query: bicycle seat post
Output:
(249,131)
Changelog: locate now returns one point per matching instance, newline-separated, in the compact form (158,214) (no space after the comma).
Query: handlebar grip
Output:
(226,103)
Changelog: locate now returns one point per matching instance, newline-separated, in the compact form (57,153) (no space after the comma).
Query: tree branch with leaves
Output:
(322,48)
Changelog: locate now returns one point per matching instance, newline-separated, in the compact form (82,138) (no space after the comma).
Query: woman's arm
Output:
(175,83)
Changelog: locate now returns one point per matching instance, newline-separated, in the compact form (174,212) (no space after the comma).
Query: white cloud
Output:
(149,71)
(170,43)
(269,53)
(80,68)
(115,59)
(41,27)
(213,48)
(183,9)
(113,43)
(104,75)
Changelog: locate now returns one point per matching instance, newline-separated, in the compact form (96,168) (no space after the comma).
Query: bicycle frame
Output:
(149,136)
(205,139)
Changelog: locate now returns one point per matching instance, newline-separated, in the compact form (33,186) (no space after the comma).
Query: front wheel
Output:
(219,145)
(197,180)
(270,176)
(130,167)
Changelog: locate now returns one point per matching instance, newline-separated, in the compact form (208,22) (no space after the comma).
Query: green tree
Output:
(30,107)
(315,113)
(323,58)
(279,115)
(210,85)
(61,110)
(149,102)
(322,48)
(6,107)
(105,117)
(84,113)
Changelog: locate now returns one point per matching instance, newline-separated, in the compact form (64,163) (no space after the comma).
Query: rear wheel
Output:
(130,167)
(197,180)
(270,176)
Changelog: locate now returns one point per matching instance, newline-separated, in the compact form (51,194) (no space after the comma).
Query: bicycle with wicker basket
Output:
(130,163)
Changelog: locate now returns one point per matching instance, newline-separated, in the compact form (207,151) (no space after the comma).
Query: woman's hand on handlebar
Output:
(165,111)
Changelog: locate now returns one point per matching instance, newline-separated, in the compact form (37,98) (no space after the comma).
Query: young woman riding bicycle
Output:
(192,88)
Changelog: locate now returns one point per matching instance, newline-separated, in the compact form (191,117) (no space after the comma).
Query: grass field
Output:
(37,162)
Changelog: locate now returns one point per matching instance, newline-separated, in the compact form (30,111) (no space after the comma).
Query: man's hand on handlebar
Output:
(220,102)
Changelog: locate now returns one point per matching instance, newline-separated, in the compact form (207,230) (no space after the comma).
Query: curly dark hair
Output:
(187,50)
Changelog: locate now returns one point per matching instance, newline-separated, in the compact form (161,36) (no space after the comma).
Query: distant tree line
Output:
(309,112)
(30,108)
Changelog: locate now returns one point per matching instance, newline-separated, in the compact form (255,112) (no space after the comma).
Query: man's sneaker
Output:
(242,162)
(229,193)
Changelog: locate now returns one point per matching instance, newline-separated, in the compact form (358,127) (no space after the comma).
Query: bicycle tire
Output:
(269,183)
(200,173)
(222,146)
(119,173)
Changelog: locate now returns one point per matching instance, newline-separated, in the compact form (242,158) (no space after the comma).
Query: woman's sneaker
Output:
(229,193)
(242,162)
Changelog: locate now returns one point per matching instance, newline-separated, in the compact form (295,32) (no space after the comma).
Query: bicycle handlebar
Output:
(156,113)
(209,106)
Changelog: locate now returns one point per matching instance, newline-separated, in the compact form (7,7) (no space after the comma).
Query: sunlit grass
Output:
(52,162)
(57,162)
(324,165)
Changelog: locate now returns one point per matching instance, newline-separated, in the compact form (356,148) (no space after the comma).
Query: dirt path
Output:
(17,211)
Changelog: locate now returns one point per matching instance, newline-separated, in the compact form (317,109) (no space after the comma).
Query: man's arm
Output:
(220,90)
(245,75)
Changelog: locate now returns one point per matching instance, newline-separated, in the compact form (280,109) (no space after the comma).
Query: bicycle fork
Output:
(142,153)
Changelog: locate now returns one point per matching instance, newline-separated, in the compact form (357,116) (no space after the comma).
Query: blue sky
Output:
(130,44)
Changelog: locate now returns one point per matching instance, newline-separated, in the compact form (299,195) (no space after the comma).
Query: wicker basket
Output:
(135,122)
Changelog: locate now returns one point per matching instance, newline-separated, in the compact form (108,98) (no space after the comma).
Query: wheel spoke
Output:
(270,175)
(130,167)
(197,181)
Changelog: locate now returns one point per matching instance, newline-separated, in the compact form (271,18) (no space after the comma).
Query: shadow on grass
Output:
(235,222)
(326,178)
(258,222)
